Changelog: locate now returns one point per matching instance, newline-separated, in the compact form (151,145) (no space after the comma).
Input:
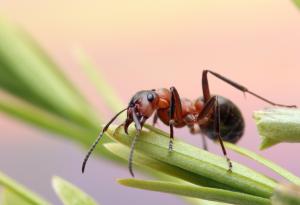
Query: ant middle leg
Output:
(198,131)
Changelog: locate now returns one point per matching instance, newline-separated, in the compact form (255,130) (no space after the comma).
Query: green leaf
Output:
(198,161)
(22,192)
(175,172)
(51,122)
(277,125)
(34,115)
(39,92)
(271,165)
(196,191)
(286,195)
(31,75)
(69,194)
(196,201)
(297,3)
(11,198)
(144,161)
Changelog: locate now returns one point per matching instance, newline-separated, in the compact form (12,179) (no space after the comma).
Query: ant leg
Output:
(217,131)
(175,112)
(208,107)
(204,143)
(155,118)
(213,105)
(206,93)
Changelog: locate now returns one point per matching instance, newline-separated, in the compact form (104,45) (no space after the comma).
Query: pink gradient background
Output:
(149,44)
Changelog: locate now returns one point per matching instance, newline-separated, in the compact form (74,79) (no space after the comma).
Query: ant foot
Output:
(229,165)
(171,146)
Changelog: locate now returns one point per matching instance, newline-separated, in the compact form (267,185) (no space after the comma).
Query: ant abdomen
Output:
(231,122)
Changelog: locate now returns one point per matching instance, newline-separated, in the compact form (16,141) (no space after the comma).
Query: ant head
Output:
(143,104)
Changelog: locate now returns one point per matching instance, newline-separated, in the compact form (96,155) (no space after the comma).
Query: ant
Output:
(217,117)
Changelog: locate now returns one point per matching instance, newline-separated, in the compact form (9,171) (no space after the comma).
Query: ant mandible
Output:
(217,117)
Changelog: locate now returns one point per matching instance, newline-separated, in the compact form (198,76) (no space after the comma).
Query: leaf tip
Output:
(56,181)
(125,181)
(267,142)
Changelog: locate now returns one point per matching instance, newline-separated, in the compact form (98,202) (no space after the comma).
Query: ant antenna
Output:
(98,139)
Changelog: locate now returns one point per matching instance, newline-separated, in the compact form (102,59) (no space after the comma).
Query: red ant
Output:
(217,117)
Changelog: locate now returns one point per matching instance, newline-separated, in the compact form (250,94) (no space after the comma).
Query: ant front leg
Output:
(175,113)
(206,93)
(155,118)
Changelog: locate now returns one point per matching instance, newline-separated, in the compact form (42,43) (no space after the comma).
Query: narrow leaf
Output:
(51,122)
(271,165)
(176,174)
(196,191)
(34,115)
(198,161)
(70,194)
(11,198)
(21,191)
(196,201)
(29,68)
(286,195)
(142,160)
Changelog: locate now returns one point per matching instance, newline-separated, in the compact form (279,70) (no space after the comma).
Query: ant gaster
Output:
(217,117)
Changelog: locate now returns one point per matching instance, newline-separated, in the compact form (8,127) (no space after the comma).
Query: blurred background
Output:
(151,44)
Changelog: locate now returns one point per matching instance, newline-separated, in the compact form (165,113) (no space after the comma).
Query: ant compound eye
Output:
(150,97)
